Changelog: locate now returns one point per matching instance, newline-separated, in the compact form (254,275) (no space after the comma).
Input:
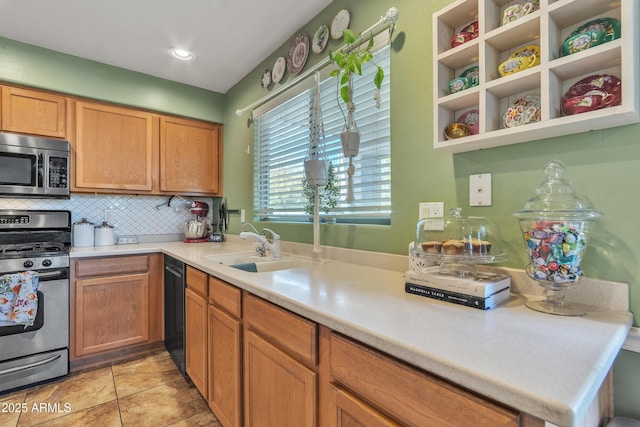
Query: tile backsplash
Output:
(132,215)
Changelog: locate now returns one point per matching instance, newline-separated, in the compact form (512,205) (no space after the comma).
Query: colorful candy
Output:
(555,251)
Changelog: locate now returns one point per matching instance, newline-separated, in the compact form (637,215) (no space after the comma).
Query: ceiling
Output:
(229,38)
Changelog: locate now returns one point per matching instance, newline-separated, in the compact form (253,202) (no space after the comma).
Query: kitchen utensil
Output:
(83,233)
(197,230)
(104,234)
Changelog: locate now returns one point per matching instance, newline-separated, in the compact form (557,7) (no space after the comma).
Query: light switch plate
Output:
(480,189)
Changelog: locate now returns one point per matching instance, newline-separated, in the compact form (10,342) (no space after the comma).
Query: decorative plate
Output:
(339,23)
(320,39)
(523,111)
(298,53)
(472,73)
(471,118)
(265,80)
(592,93)
(278,69)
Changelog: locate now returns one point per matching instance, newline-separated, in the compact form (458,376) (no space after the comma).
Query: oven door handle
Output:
(29,366)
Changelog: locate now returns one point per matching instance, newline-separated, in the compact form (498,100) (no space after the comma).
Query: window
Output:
(281,135)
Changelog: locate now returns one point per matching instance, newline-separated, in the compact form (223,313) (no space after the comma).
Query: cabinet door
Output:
(348,411)
(114,148)
(195,330)
(225,367)
(32,112)
(111,313)
(190,160)
(278,390)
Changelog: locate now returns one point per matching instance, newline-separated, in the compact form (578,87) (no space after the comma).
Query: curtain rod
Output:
(385,22)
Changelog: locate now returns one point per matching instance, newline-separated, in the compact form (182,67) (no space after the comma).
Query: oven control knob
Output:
(28,264)
(46,262)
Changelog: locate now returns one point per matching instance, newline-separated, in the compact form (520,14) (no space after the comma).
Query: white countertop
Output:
(545,365)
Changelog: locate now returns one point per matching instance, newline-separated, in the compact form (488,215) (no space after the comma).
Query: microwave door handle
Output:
(40,170)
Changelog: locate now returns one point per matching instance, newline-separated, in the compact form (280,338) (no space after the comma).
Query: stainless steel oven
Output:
(37,241)
(33,166)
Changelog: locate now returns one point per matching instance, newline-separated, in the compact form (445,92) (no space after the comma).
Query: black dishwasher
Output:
(174,284)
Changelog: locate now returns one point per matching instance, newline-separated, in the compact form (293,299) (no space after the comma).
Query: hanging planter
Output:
(315,172)
(349,61)
(315,165)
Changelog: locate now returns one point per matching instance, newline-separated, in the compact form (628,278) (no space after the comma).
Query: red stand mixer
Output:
(198,229)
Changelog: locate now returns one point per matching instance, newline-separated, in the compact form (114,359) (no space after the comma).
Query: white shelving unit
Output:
(547,27)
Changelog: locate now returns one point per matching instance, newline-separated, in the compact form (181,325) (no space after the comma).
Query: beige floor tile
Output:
(142,374)
(11,406)
(162,405)
(201,419)
(104,415)
(75,393)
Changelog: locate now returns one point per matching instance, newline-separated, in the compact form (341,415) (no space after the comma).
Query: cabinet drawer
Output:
(410,395)
(112,265)
(225,296)
(197,281)
(295,334)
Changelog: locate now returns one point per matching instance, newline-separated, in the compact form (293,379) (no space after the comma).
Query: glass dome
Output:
(457,239)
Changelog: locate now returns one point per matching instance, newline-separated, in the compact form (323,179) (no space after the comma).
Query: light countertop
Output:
(545,365)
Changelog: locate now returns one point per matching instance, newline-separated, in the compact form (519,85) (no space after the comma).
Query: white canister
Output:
(104,235)
(83,233)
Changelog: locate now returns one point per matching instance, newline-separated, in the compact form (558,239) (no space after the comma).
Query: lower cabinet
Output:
(280,358)
(195,328)
(225,352)
(348,410)
(116,306)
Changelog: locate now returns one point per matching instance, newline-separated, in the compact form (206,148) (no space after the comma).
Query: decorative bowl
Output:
(457,130)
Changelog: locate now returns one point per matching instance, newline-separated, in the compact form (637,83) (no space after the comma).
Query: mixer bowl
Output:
(195,229)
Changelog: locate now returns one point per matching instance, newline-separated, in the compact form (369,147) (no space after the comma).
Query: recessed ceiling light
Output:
(181,54)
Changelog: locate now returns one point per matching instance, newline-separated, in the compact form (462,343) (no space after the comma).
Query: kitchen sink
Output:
(249,261)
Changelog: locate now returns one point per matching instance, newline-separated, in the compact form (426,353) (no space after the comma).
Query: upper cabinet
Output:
(33,112)
(190,154)
(538,88)
(124,150)
(115,148)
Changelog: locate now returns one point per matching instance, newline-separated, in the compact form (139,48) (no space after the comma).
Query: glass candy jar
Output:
(555,225)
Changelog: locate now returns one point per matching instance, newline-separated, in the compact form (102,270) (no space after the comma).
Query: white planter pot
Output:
(316,172)
(350,143)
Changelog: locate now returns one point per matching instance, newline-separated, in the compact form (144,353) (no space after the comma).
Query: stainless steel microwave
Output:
(32,166)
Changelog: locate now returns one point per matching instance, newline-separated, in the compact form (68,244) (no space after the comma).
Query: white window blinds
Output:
(281,135)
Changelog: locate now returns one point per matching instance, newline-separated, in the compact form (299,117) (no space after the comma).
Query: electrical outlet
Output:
(241,216)
(432,210)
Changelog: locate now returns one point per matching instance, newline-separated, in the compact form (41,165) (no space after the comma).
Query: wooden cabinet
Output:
(116,304)
(405,394)
(190,154)
(280,378)
(115,149)
(547,28)
(348,410)
(33,112)
(225,352)
(195,328)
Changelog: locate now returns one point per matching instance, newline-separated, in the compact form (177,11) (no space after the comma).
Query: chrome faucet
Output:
(265,244)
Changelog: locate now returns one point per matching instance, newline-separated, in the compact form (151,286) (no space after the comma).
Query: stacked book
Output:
(480,290)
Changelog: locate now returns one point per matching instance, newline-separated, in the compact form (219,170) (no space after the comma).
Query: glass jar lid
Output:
(556,197)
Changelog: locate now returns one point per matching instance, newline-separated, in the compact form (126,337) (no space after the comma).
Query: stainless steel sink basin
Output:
(249,261)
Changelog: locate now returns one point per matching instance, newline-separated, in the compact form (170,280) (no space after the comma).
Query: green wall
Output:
(29,65)
(603,165)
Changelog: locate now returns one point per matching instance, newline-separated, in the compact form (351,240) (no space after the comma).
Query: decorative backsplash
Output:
(132,215)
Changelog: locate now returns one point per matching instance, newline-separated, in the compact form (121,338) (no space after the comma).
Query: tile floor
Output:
(143,392)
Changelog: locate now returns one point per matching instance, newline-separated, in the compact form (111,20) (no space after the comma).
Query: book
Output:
(481,284)
(458,298)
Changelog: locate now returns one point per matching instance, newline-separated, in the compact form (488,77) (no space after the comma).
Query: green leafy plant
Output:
(350,60)
(328,194)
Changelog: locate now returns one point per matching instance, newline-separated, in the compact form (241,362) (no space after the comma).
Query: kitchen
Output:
(598,161)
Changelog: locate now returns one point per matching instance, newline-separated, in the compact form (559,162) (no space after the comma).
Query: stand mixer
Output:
(197,230)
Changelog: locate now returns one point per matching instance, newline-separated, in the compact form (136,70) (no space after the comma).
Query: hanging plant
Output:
(327,194)
(349,61)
